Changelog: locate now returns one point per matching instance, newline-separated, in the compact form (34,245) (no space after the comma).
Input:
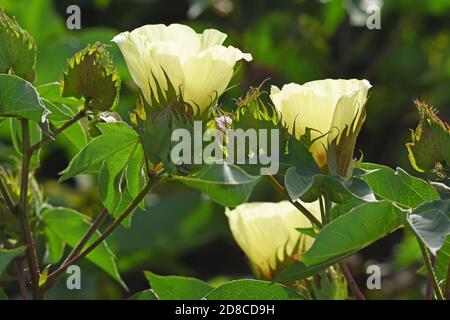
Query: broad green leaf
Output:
(253,290)
(54,246)
(16,137)
(7,255)
(115,137)
(121,179)
(309,188)
(397,186)
(227,184)
(144,295)
(443,260)
(70,226)
(176,287)
(353,231)
(298,270)
(52,92)
(430,222)
(60,114)
(19,99)
(305,181)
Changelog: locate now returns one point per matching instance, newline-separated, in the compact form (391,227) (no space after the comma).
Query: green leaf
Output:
(18,98)
(397,186)
(115,137)
(144,295)
(16,137)
(121,178)
(305,181)
(70,226)
(442,261)
(430,222)
(297,270)
(60,114)
(176,287)
(52,92)
(253,290)
(353,231)
(227,184)
(54,246)
(7,255)
(17,49)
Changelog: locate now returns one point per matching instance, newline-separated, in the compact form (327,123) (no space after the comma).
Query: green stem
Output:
(151,183)
(322,210)
(297,204)
(431,274)
(88,235)
(32,261)
(325,211)
(56,132)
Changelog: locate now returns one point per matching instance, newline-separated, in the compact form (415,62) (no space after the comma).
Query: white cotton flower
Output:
(266,232)
(197,65)
(326,106)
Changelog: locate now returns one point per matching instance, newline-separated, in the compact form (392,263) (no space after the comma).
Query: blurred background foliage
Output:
(182,232)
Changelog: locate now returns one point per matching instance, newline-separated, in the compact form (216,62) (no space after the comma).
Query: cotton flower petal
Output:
(210,38)
(208,73)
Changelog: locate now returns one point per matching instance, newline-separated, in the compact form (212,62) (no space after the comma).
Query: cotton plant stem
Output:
(147,188)
(322,210)
(18,264)
(430,270)
(351,281)
(88,235)
(32,261)
(297,204)
(66,125)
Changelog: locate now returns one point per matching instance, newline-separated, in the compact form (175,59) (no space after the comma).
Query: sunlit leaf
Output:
(70,226)
(176,287)
(227,184)
(253,290)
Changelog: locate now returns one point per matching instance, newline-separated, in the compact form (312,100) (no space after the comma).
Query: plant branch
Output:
(18,264)
(56,132)
(151,183)
(32,261)
(297,204)
(353,285)
(431,274)
(88,235)
(322,210)
(8,199)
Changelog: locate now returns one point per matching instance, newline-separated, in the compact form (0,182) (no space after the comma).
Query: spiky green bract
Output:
(17,49)
(157,121)
(341,150)
(253,113)
(429,150)
(90,74)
